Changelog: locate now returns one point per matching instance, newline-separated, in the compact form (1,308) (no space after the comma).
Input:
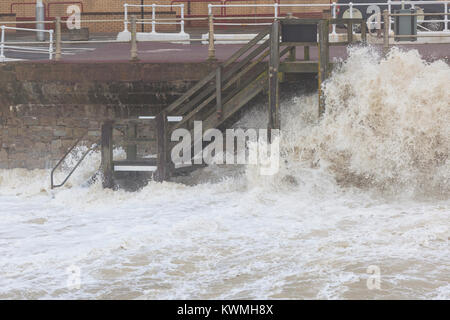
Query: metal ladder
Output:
(93,147)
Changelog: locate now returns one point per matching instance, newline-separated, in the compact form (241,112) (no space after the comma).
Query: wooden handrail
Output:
(227,85)
(212,75)
(245,48)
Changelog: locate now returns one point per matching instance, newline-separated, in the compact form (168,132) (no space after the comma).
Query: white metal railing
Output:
(4,46)
(154,21)
(373,6)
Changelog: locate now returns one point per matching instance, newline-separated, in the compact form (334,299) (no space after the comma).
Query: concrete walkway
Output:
(159,52)
(168,52)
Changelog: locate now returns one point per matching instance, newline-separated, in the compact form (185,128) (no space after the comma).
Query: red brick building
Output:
(24,10)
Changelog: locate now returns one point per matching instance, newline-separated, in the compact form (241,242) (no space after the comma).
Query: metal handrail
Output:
(3,45)
(333,6)
(52,185)
(223,21)
(154,21)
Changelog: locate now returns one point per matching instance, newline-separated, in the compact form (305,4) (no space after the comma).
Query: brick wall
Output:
(113,9)
(7,17)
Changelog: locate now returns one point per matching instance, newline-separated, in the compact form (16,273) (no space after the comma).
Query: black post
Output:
(131,135)
(363,32)
(306,53)
(274,63)
(350,32)
(162,172)
(324,66)
(219,92)
(107,155)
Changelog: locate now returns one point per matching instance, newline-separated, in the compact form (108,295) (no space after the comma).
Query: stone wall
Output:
(46,107)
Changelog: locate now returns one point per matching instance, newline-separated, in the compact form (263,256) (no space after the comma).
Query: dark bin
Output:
(298,32)
(405,25)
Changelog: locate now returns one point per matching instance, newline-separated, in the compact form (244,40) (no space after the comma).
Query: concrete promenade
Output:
(162,52)
(168,52)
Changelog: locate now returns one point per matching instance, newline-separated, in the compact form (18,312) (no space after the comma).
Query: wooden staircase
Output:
(227,90)
(217,99)
(214,101)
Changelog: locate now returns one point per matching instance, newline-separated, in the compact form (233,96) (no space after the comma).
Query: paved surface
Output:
(167,52)
(158,52)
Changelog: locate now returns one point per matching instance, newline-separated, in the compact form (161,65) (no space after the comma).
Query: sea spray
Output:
(386,124)
(385,128)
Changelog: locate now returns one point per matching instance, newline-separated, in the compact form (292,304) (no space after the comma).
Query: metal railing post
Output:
(182,19)
(386,32)
(153,18)
(275,6)
(389,10)
(211,48)
(125,21)
(334,17)
(2,45)
(40,17)
(58,38)
(50,46)
(133,39)
(446,17)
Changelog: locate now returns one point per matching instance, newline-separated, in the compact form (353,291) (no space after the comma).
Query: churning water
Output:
(365,191)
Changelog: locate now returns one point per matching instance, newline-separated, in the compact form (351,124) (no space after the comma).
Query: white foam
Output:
(310,231)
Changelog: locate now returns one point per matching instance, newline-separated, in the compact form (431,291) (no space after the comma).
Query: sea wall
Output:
(46,107)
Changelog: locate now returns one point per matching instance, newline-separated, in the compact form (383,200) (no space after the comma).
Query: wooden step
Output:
(299,66)
(136,165)
(134,141)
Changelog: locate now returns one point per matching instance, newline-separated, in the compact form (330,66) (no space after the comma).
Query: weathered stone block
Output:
(60,132)
(30,121)
(94,133)
(3,155)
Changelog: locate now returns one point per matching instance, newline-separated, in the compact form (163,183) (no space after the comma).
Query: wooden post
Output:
(162,172)
(363,32)
(274,63)
(58,38)
(131,134)
(323,61)
(292,53)
(211,48)
(349,32)
(107,155)
(306,53)
(386,32)
(134,55)
(219,92)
